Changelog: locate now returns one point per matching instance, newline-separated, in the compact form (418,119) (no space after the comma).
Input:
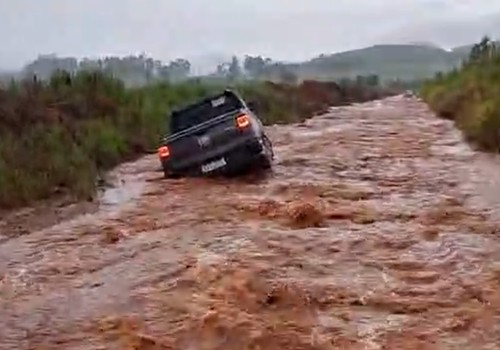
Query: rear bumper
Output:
(245,154)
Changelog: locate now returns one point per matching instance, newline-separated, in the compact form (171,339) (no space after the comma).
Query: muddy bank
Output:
(377,229)
(42,215)
(120,188)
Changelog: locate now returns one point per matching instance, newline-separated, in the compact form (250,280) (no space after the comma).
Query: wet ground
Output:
(378,229)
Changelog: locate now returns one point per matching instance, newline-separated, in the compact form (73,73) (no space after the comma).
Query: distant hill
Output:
(463,50)
(396,61)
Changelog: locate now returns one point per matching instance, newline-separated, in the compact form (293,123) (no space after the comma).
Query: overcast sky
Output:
(165,29)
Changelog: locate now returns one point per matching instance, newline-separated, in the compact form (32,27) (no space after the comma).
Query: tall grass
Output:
(56,136)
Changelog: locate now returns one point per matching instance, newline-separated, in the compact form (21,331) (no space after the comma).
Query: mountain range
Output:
(411,61)
(417,49)
(395,61)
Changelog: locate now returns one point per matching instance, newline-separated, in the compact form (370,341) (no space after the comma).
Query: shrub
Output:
(470,96)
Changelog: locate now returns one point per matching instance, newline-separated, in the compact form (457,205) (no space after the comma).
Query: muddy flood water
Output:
(378,229)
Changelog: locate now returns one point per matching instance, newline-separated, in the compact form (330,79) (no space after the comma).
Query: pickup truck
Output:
(217,135)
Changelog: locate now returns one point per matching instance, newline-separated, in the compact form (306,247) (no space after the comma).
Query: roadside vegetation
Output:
(58,135)
(470,95)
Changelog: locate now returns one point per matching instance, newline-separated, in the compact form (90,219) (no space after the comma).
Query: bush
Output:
(56,136)
(470,96)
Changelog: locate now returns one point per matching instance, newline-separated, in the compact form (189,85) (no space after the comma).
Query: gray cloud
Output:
(283,29)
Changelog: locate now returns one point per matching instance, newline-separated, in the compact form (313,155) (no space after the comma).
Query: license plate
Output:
(216,164)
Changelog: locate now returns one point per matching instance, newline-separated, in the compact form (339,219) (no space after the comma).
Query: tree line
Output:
(141,70)
(133,70)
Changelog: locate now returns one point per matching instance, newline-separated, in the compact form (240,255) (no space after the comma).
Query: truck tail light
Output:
(163,152)
(242,121)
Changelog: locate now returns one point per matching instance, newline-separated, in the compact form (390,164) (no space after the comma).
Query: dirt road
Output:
(378,230)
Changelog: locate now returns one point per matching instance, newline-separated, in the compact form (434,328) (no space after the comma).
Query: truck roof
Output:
(226,92)
(204,110)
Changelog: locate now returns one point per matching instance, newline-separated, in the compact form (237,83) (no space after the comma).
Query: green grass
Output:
(471,96)
(56,137)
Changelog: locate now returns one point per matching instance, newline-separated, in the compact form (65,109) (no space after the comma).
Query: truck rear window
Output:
(201,112)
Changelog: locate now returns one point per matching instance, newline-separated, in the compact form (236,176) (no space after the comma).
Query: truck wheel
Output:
(266,163)
(169,175)
(268,155)
(268,147)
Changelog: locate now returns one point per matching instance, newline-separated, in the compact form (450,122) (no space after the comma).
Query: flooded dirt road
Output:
(378,229)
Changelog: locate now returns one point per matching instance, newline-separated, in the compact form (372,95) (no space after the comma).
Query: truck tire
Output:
(268,153)
(266,163)
(168,175)
(268,144)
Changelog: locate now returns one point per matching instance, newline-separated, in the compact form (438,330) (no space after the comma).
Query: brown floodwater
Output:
(377,229)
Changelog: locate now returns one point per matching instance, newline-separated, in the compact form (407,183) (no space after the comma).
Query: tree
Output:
(179,69)
(372,80)
(256,66)
(46,65)
(132,70)
(149,68)
(360,80)
(164,73)
(486,49)
(287,76)
(222,70)
(89,65)
(234,69)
